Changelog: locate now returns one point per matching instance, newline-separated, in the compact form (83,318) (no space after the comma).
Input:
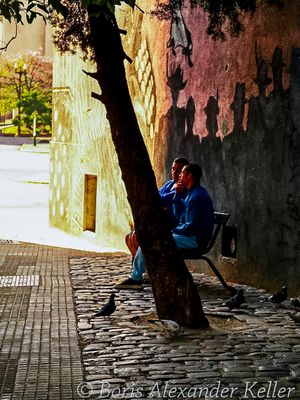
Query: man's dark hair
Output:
(181,160)
(195,170)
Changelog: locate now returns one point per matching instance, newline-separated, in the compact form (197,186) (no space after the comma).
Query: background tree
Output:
(92,26)
(25,84)
(36,104)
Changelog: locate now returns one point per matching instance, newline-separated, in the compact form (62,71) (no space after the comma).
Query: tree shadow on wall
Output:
(254,172)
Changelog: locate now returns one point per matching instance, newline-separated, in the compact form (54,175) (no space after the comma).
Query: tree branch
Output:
(126,57)
(11,39)
(91,74)
(97,96)
(139,8)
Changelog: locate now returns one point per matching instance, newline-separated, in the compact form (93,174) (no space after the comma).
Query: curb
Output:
(39,148)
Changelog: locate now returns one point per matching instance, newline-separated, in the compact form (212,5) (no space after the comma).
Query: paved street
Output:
(54,348)
(24,194)
(15,140)
(40,357)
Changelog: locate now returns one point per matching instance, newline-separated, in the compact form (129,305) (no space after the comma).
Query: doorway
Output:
(90,198)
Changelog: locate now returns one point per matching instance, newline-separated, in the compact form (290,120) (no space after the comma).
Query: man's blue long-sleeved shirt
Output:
(167,193)
(195,214)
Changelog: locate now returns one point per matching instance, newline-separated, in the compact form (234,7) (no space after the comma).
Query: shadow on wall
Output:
(254,173)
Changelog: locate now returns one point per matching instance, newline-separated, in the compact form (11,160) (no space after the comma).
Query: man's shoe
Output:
(129,284)
(146,279)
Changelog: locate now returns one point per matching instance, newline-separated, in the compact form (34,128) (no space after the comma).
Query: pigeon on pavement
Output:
(236,300)
(295,316)
(167,325)
(108,308)
(295,303)
(279,297)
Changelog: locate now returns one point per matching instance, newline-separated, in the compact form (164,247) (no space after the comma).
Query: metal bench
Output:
(220,219)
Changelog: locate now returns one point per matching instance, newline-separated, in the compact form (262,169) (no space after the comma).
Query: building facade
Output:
(35,37)
(87,194)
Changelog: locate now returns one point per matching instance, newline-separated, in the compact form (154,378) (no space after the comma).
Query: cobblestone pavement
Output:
(40,356)
(251,353)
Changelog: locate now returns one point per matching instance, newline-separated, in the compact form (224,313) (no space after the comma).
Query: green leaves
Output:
(16,10)
(131,3)
(11,10)
(109,4)
(85,3)
(31,14)
(59,7)
(25,83)
(35,102)
(224,13)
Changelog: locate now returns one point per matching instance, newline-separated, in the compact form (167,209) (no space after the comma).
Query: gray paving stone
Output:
(162,358)
(29,351)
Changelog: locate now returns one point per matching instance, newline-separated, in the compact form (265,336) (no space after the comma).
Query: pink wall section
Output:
(219,65)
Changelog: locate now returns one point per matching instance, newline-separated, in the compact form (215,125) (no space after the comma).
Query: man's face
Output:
(185,177)
(176,170)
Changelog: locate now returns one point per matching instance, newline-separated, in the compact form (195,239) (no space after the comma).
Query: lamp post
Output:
(20,69)
(34,129)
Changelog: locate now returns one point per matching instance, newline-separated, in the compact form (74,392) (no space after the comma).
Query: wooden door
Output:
(90,199)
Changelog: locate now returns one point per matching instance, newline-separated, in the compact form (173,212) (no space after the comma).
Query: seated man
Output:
(166,193)
(196,220)
(168,190)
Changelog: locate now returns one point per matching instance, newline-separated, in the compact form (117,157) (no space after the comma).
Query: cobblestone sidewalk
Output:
(251,353)
(40,357)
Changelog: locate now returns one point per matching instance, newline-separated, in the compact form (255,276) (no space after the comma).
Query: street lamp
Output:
(34,129)
(20,69)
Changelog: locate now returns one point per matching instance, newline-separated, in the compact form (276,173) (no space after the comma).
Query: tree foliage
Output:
(38,104)
(25,84)
(220,12)
(223,15)
(18,10)
(71,19)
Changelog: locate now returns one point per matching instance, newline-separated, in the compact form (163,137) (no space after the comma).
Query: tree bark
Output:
(175,294)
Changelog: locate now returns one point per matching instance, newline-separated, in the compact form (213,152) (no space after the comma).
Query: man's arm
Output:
(188,214)
(166,188)
(178,206)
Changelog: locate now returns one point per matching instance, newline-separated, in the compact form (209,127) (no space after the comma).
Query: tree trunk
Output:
(175,294)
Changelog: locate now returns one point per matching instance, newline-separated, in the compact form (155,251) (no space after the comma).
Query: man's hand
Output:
(178,186)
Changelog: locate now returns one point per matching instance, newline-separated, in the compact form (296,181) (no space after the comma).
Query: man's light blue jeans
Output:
(182,242)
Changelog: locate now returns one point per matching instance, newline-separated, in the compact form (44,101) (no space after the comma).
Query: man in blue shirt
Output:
(196,220)
(166,194)
(194,212)
(169,189)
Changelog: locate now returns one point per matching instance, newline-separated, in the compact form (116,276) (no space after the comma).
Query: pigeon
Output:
(279,297)
(172,327)
(236,300)
(295,303)
(108,308)
(295,316)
